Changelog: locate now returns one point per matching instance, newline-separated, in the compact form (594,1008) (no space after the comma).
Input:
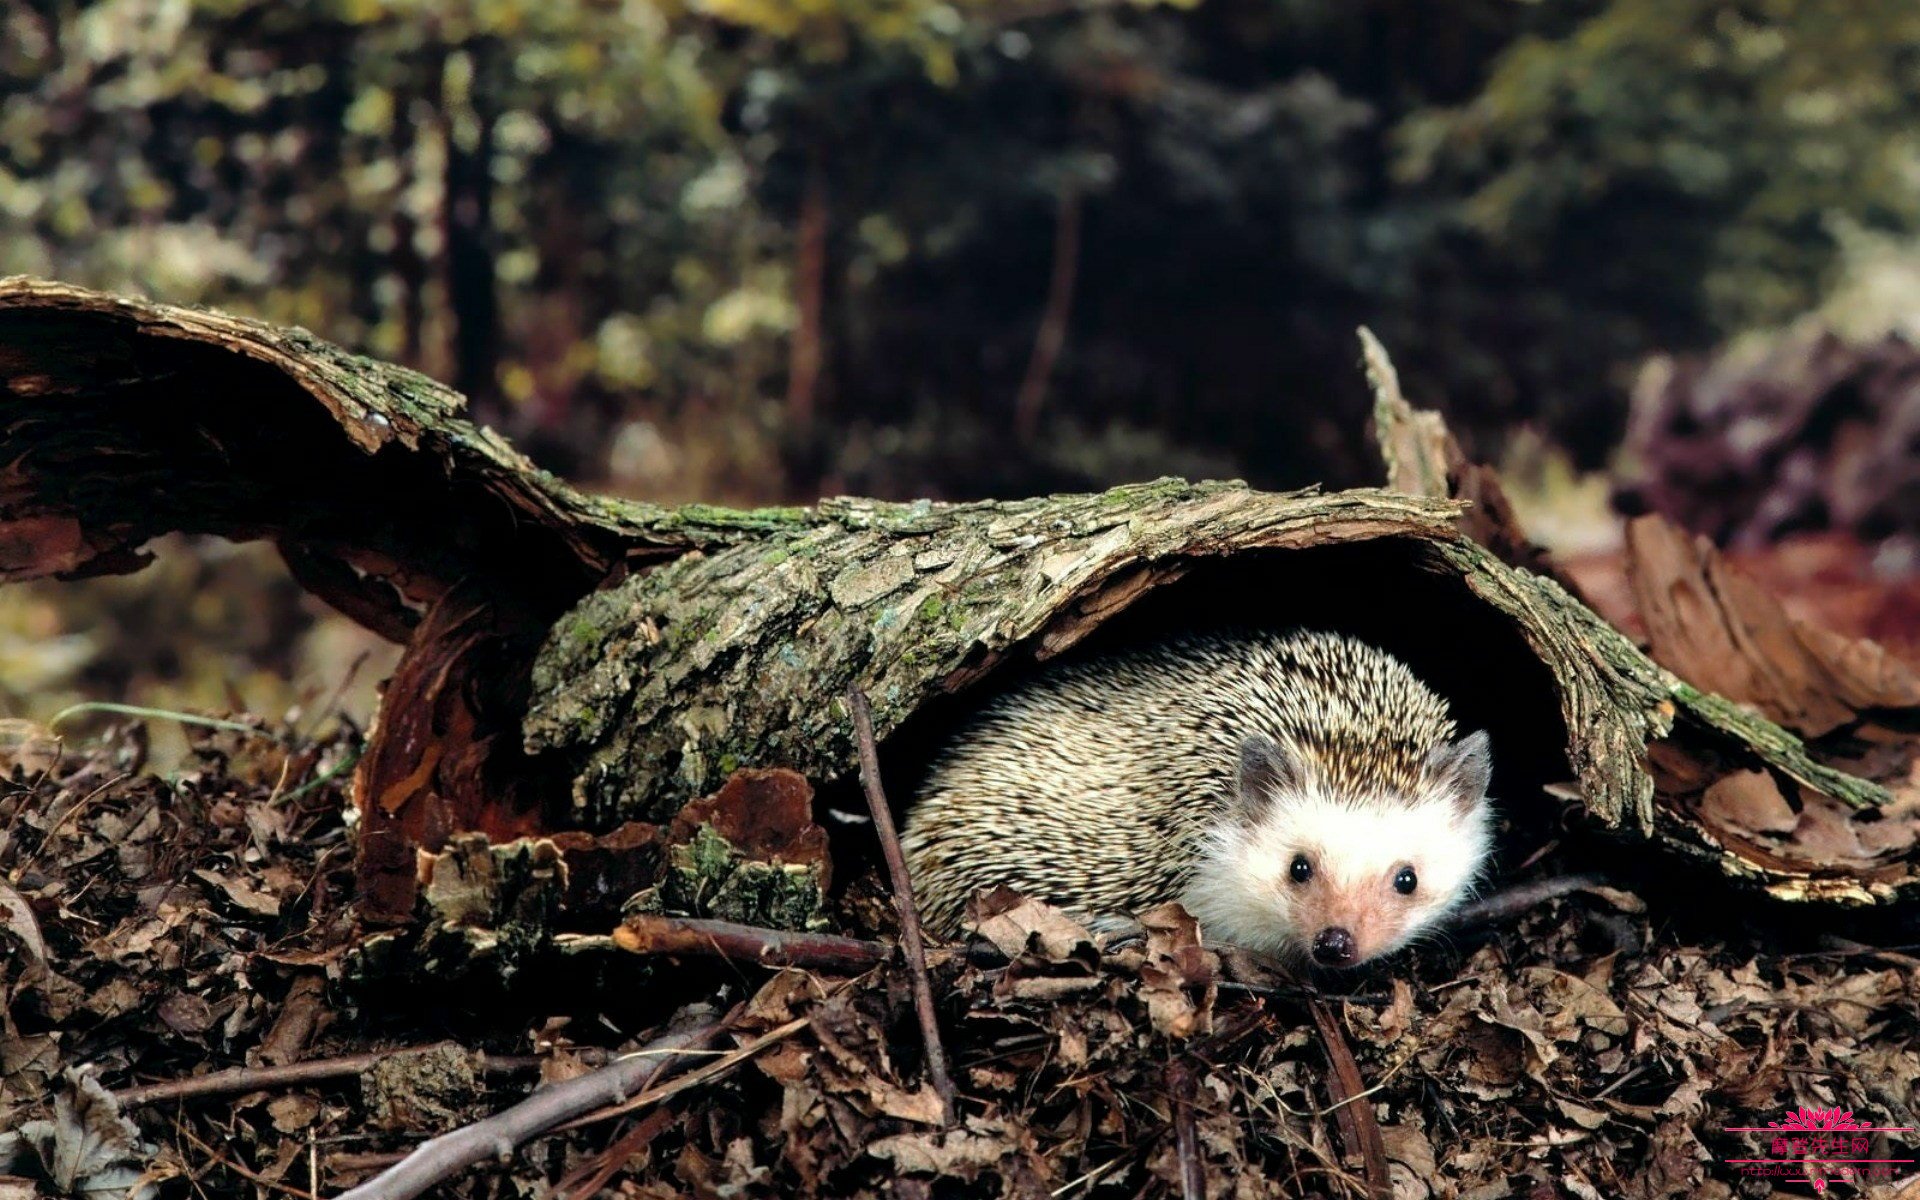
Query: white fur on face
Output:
(1243,893)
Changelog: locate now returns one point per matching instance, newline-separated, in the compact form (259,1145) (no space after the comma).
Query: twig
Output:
(1521,898)
(256,1079)
(440,1159)
(910,938)
(1358,1127)
(1294,992)
(752,945)
(1186,1135)
(1096,1175)
(643,934)
(344,1163)
(246,1173)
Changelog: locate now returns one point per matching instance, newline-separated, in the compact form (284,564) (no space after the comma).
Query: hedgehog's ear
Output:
(1464,770)
(1266,770)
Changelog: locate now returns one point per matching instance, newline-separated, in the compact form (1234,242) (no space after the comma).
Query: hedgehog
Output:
(1301,793)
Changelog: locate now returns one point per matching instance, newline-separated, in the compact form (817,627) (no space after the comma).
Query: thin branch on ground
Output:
(692,1079)
(646,934)
(245,1173)
(351,1162)
(1521,898)
(1356,1121)
(910,937)
(440,1159)
(587,1179)
(752,945)
(1301,992)
(259,1079)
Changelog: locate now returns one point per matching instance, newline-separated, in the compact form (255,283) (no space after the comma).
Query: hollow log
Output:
(575,662)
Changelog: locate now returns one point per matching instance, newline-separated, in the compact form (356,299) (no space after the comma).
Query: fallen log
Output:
(577,662)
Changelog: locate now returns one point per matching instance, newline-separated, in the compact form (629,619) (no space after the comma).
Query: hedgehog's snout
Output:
(1334,947)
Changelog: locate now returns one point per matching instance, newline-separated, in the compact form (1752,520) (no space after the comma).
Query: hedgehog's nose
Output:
(1333,947)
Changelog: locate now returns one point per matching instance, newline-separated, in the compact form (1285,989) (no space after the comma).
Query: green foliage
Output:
(611,222)
(1688,154)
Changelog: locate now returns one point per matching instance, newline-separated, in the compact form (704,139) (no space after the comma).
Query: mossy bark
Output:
(661,686)
(717,639)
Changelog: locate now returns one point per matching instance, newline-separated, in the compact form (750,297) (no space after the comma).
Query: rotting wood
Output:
(718,638)
(1711,630)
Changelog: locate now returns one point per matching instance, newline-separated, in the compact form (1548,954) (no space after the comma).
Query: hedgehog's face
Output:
(1339,877)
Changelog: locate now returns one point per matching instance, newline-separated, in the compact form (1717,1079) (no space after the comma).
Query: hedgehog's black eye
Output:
(1301,870)
(1406,881)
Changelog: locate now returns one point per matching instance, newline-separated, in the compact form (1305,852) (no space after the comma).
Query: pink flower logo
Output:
(1816,1120)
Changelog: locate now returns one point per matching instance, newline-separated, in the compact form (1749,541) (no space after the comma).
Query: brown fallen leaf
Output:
(1178,978)
(855,1065)
(1749,806)
(16,918)
(961,1153)
(1018,926)
(242,893)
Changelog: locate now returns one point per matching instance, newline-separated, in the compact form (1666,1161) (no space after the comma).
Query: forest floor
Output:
(1636,1040)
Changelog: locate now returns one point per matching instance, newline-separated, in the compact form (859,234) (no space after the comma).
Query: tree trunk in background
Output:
(1051,336)
(809,286)
(470,250)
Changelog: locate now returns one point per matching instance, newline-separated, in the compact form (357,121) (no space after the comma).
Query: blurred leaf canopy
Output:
(759,248)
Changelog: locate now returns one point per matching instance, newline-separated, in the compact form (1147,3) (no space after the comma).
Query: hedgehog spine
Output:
(1298,791)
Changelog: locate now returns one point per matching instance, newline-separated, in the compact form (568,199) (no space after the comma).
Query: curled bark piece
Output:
(721,639)
(125,419)
(658,686)
(1711,624)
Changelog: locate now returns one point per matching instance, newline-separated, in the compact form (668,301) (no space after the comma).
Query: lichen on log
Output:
(719,639)
(662,685)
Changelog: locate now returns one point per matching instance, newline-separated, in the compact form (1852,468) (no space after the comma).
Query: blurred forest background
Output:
(759,250)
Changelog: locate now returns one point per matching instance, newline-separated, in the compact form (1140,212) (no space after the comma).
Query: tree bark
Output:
(674,646)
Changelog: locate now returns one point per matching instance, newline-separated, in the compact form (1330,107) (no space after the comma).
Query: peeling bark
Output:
(722,639)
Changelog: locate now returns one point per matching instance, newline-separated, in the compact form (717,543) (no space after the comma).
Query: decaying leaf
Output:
(87,1148)
(1018,927)
(1179,975)
(956,1154)
(431,1089)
